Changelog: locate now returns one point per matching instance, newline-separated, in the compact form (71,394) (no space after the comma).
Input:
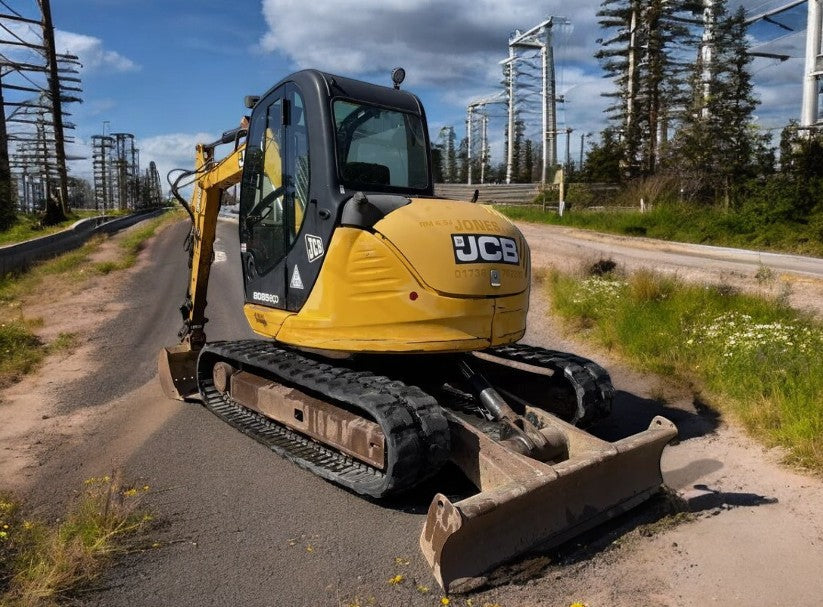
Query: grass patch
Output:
(21,351)
(684,223)
(28,226)
(132,243)
(756,359)
(44,564)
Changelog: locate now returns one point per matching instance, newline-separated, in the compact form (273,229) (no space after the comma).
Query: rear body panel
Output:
(401,288)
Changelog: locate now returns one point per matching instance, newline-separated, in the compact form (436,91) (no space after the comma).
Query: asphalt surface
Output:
(673,254)
(237,525)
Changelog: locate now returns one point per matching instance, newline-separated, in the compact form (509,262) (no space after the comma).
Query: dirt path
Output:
(798,280)
(242,527)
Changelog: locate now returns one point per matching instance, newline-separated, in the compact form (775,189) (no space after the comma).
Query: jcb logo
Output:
(483,248)
(314,247)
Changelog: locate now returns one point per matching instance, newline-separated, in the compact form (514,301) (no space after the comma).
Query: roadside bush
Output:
(753,358)
(654,190)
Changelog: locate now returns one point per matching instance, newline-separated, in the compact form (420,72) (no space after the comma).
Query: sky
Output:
(175,72)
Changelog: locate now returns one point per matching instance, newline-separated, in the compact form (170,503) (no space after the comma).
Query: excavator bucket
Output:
(177,368)
(524,504)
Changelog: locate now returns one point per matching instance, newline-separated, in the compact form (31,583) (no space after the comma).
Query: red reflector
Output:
(413,295)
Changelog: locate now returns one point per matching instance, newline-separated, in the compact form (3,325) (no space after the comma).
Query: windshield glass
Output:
(377,147)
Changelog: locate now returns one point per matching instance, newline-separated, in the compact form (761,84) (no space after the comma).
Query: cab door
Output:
(274,196)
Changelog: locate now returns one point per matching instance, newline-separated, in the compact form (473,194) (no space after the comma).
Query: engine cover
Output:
(459,249)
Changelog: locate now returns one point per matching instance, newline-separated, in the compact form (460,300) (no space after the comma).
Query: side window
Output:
(296,168)
(263,206)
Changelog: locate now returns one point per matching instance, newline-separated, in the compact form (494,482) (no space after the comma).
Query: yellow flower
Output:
(3,535)
(399,560)
(145,487)
(27,524)
(445,601)
(578,604)
(130,492)
(398,579)
(309,548)
(422,589)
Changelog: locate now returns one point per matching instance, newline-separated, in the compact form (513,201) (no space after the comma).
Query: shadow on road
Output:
(632,414)
(661,513)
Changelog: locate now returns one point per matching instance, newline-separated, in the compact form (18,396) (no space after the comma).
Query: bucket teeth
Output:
(524,504)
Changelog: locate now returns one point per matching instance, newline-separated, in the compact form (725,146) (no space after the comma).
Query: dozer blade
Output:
(525,504)
(177,368)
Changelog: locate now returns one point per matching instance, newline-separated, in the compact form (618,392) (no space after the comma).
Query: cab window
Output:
(378,147)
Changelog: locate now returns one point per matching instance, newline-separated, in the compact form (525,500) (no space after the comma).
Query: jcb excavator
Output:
(391,319)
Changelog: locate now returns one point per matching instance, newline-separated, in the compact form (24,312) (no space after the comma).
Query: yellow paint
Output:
(422,230)
(205,203)
(398,289)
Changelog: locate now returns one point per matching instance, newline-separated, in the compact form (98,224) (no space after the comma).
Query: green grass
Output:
(21,351)
(754,359)
(44,564)
(133,243)
(683,223)
(28,226)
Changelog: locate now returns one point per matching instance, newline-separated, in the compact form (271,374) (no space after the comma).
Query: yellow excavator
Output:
(390,320)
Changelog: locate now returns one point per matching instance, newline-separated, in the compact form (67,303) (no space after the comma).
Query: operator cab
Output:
(314,142)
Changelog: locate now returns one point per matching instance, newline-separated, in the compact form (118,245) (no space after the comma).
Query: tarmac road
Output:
(794,278)
(239,526)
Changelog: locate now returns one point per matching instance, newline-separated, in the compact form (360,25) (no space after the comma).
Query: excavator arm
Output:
(177,365)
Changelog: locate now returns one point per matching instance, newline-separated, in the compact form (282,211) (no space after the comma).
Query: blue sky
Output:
(174,72)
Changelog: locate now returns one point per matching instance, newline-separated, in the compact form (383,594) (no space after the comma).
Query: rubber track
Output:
(416,431)
(590,381)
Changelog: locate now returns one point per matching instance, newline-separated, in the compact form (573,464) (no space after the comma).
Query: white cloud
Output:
(92,53)
(456,45)
(170,151)
(438,42)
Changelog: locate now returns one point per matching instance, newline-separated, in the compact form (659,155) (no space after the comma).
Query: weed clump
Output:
(43,564)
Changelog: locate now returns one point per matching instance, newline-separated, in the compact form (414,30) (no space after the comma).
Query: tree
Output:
(602,163)
(81,194)
(437,163)
(527,166)
(801,172)
(450,173)
(517,152)
(718,143)
(462,161)
(644,57)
